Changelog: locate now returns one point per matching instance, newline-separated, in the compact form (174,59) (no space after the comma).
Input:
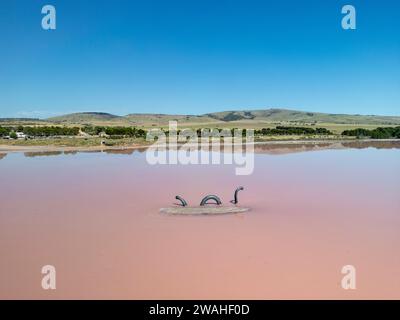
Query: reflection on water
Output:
(372,144)
(42,154)
(294,147)
(71,152)
(262,148)
(125,151)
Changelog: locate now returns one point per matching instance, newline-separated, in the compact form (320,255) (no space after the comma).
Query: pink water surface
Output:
(95,217)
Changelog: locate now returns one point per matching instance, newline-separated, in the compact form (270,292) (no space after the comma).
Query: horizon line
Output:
(27,116)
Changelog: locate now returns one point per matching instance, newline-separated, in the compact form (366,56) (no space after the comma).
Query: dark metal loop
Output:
(211,197)
(183,202)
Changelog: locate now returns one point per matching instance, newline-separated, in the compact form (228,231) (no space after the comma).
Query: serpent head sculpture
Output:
(235,200)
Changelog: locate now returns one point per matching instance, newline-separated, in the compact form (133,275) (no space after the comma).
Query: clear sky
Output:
(198,56)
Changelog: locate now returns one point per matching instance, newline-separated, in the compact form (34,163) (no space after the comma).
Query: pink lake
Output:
(95,217)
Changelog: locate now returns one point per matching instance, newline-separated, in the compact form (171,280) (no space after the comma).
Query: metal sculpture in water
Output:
(210,197)
(183,201)
(235,200)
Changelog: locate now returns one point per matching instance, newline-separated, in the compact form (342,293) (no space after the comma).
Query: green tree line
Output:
(45,131)
(4,131)
(50,131)
(115,131)
(378,133)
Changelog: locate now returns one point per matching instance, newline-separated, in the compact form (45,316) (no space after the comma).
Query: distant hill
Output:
(266,115)
(19,119)
(82,117)
(163,119)
(244,118)
(284,115)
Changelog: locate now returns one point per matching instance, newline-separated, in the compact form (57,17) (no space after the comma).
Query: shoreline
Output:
(50,148)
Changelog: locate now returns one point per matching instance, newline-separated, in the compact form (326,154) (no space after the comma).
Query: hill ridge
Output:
(255,116)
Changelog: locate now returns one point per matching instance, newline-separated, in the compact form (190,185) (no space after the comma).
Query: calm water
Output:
(94,216)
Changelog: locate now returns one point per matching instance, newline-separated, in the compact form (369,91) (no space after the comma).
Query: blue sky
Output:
(198,56)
